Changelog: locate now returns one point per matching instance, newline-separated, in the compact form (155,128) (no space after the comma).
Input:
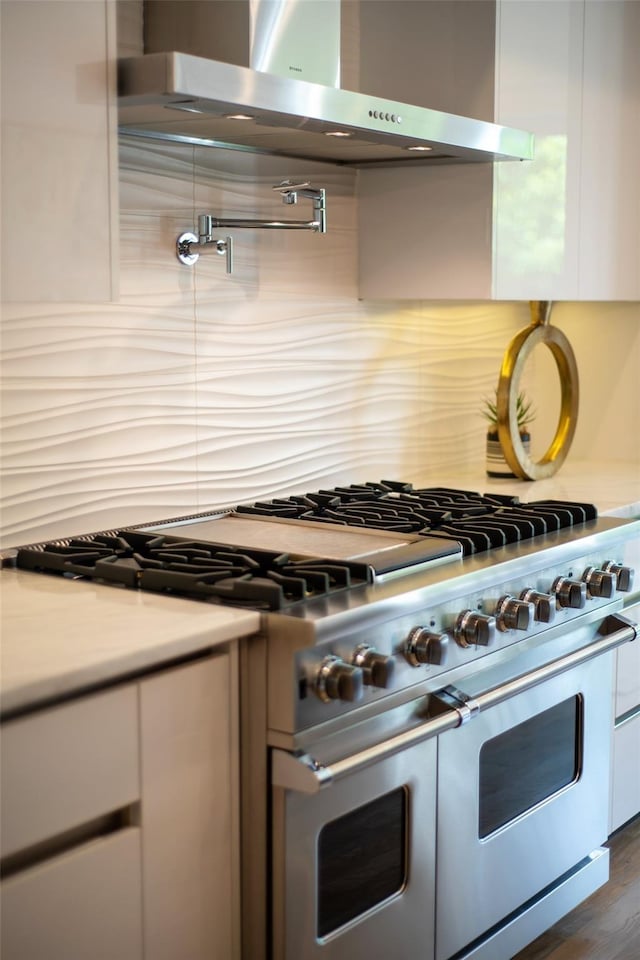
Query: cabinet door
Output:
(189,825)
(625,773)
(425,233)
(59,143)
(610,187)
(83,904)
(625,752)
(537,226)
(628,674)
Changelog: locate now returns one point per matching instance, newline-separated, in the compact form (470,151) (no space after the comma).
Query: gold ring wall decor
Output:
(517,353)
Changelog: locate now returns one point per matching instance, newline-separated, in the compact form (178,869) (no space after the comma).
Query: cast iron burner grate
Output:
(478,522)
(224,574)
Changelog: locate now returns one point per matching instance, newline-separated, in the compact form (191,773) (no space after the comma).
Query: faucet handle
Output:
(225,248)
(287,186)
(289,190)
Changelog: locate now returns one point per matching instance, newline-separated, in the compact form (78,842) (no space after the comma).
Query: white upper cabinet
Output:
(536,208)
(59,151)
(563,226)
(610,181)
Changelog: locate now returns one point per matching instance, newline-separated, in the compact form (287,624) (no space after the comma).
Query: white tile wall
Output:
(198,390)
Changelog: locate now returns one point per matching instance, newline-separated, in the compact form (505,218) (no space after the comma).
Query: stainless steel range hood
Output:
(181,96)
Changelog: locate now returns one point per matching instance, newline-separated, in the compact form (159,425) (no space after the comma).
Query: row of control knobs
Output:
(338,679)
(473,629)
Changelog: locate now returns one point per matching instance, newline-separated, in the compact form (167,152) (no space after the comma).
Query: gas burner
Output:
(259,579)
(478,522)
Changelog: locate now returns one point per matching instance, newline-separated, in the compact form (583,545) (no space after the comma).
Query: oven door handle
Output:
(306,775)
(302,773)
(614,630)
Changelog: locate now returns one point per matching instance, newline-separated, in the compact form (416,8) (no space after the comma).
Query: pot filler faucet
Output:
(207,224)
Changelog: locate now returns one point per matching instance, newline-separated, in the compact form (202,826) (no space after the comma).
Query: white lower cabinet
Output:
(120,835)
(625,780)
(625,753)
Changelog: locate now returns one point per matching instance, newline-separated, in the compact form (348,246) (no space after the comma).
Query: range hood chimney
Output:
(264,75)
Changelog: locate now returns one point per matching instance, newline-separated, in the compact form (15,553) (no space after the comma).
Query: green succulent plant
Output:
(525,412)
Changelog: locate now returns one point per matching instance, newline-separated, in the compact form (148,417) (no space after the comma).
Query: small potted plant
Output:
(497,466)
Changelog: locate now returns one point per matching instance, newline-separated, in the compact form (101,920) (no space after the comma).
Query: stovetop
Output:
(284,553)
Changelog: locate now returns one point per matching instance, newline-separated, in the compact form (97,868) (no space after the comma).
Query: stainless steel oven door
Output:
(522,799)
(354,865)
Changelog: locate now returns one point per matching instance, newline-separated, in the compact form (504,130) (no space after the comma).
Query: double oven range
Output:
(426,712)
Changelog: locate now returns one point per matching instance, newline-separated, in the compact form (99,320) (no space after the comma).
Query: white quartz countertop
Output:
(613,487)
(64,636)
(61,637)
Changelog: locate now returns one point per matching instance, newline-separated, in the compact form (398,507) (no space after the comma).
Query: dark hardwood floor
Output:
(607,925)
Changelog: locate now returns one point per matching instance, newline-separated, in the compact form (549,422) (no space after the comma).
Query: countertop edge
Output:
(47,692)
(63,638)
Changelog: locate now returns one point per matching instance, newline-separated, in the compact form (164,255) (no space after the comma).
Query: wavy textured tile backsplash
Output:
(198,390)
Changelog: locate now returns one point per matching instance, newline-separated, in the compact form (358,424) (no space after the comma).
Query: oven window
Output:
(362,860)
(529,763)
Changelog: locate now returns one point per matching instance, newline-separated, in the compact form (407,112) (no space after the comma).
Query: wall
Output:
(606,341)
(196,390)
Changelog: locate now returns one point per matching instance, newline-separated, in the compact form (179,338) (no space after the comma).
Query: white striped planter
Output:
(497,466)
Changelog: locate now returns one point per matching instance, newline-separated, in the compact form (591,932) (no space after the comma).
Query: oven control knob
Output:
(337,680)
(377,668)
(425,646)
(544,605)
(600,583)
(474,629)
(570,593)
(512,614)
(623,575)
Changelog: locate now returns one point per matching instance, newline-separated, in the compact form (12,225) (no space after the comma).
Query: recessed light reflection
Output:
(238,116)
(420,149)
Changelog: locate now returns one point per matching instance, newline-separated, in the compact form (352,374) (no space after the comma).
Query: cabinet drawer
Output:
(85,904)
(63,767)
(625,773)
